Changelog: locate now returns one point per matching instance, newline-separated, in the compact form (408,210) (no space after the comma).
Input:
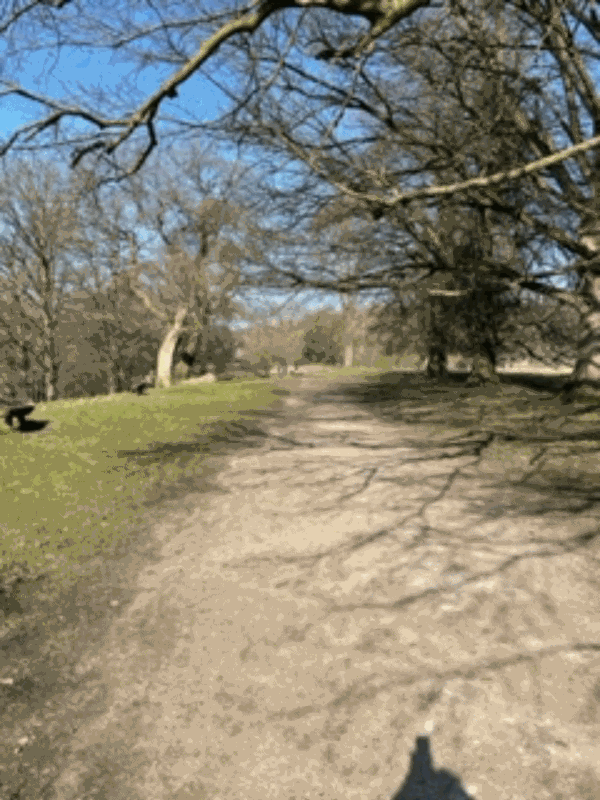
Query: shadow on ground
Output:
(424,782)
(523,416)
(522,406)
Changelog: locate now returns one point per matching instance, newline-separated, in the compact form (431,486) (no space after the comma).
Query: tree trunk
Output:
(435,328)
(164,361)
(349,354)
(437,366)
(587,367)
(50,382)
(116,380)
(352,328)
(111,381)
(51,371)
(483,370)
(116,375)
(25,367)
(484,366)
(585,379)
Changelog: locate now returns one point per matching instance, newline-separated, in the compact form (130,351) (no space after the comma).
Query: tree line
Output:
(443,157)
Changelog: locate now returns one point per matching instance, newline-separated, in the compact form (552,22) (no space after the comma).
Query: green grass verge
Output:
(85,485)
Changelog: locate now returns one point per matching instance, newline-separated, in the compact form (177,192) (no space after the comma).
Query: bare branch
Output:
(448,292)
(58,112)
(498,177)
(246,23)
(382,14)
(25,9)
(147,302)
(311,157)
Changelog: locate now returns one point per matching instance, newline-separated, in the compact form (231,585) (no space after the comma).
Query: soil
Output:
(353,597)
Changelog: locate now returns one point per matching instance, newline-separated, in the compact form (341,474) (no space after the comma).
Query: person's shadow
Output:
(423,782)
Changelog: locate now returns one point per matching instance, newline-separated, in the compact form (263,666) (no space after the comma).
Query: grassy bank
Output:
(85,485)
(77,506)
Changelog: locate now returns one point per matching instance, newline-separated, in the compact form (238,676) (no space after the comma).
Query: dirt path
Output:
(354,585)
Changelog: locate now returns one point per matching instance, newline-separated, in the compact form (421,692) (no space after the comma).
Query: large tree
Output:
(202,236)
(477,108)
(120,333)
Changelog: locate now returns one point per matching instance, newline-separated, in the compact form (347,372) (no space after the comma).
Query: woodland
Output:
(432,166)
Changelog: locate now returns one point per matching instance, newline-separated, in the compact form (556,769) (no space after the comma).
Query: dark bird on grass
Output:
(33,425)
(141,388)
(18,414)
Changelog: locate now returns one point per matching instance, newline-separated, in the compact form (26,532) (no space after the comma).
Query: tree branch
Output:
(497,177)
(311,157)
(147,303)
(248,22)
(58,112)
(382,14)
(17,12)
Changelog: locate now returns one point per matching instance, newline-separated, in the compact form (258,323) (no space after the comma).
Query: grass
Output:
(88,483)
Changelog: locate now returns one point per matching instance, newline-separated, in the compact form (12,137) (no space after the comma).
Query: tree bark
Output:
(437,355)
(116,375)
(437,366)
(585,378)
(349,354)
(484,369)
(51,365)
(348,329)
(164,361)
(116,378)
(111,380)
(51,381)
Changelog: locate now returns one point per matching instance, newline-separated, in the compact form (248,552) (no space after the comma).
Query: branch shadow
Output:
(222,438)
(521,406)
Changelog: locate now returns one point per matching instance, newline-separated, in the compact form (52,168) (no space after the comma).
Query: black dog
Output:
(142,388)
(19,413)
